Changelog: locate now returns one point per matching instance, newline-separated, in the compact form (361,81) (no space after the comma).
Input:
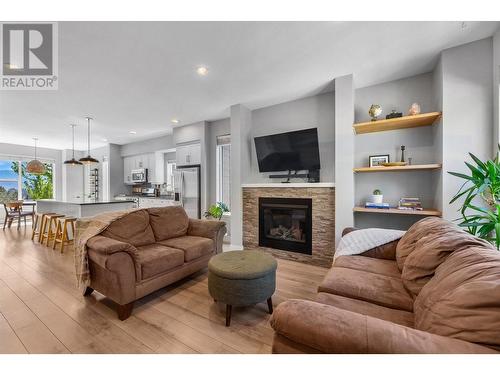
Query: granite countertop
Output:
(166,197)
(83,201)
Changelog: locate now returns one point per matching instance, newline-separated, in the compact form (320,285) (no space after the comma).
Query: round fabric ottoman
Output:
(242,278)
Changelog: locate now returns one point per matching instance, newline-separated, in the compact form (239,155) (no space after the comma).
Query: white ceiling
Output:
(138,76)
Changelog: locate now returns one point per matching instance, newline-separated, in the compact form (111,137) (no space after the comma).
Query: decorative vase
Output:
(375,111)
(378,198)
(414,109)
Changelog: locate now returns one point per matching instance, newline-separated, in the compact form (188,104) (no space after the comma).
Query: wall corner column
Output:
(241,122)
(344,154)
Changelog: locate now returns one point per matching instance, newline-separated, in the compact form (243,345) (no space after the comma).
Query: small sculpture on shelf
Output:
(393,114)
(403,148)
(375,111)
(414,109)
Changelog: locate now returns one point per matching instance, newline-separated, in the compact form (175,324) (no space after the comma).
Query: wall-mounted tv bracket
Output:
(289,176)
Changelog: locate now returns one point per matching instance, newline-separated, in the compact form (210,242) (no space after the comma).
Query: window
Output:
(223,170)
(9,181)
(24,185)
(38,186)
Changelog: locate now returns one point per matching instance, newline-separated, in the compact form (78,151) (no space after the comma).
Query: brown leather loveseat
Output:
(436,290)
(148,250)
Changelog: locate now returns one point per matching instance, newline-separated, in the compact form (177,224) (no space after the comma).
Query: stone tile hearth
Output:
(323,221)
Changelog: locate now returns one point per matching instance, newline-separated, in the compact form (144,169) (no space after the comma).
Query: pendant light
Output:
(73,161)
(88,159)
(35,166)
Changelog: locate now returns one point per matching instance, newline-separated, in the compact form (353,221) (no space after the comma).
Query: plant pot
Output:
(377,198)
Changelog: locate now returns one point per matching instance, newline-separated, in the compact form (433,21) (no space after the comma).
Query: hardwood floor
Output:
(41,311)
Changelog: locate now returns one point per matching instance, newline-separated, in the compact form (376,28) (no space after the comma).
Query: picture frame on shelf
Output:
(377,160)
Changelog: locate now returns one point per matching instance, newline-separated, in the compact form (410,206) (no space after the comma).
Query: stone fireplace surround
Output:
(323,218)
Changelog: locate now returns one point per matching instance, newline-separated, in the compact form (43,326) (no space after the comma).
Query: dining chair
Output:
(13,211)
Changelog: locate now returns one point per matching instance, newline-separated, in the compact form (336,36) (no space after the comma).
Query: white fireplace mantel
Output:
(291,185)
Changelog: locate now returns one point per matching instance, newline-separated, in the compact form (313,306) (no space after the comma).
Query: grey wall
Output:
(116,185)
(398,95)
(149,145)
(315,111)
(437,133)
(420,146)
(28,152)
(496,90)
(241,123)
(467,112)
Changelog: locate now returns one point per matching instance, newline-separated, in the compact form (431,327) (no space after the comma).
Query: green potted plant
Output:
(480,209)
(377,196)
(216,211)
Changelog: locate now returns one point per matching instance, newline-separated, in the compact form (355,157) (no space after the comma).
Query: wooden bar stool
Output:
(37,224)
(62,235)
(48,227)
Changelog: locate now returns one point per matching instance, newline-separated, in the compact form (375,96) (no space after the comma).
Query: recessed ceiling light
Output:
(202,70)
(104,140)
(174,121)
(132,132)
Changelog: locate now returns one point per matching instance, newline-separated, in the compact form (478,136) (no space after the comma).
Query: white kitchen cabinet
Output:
(189,154)
(151,166)
(140,162)
(128,165)
(146,161)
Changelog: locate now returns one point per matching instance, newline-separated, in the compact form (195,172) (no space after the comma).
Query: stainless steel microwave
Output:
(139,175)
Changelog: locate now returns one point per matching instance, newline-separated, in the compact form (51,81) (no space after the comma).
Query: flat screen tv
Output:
(293,151)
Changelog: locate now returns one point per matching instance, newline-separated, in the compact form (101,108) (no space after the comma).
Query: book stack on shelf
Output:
(377,205)
(412,204)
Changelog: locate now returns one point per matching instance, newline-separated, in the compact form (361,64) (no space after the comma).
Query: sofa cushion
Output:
(133,228)
(192,246)
(432,250)
(373,265)
(168,222)
(404,318)
(156,259)
(462,300)
(422,228)
(378,289)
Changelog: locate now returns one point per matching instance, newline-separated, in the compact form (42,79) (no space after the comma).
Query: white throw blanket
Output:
(359,241)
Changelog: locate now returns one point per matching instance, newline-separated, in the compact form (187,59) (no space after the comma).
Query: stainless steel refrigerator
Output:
(187,188)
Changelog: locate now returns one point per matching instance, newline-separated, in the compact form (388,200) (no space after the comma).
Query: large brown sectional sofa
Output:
(436,290)
(147,250)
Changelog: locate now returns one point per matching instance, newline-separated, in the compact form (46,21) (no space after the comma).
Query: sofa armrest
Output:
(101,249)
(107,246)
(328,329)
(212,229)
(386,251)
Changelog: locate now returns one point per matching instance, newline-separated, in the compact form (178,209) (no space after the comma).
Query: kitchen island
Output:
(82,207)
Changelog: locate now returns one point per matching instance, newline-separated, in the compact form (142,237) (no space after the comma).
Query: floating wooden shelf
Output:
(421,167)
(405,122)
(428,212)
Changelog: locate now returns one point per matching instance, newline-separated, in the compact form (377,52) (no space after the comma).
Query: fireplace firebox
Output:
(286,224)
